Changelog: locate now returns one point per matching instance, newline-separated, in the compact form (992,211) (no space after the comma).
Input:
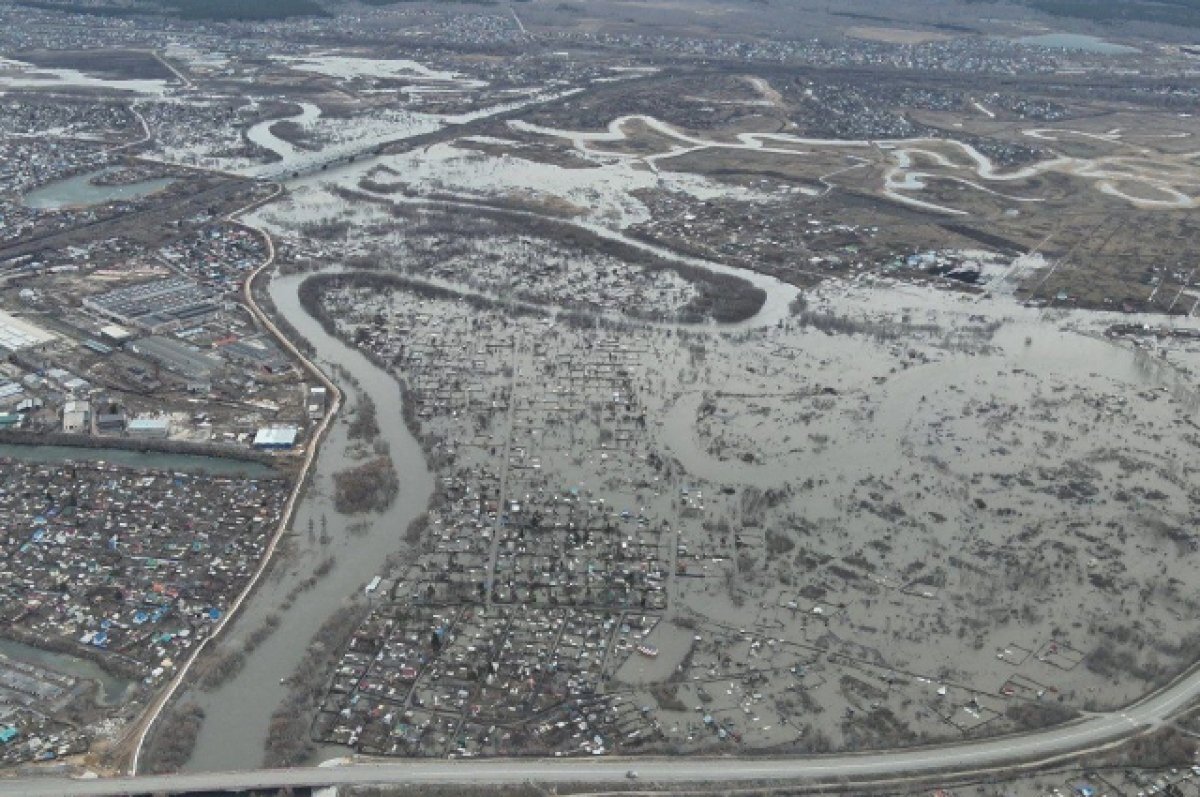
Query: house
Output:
(317,397)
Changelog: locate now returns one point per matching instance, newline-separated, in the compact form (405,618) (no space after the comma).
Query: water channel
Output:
(261,134)
(237,714)
(112,688)
(149,460)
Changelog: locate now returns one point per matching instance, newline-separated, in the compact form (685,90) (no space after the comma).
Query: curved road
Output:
(141,730)
(1094,731)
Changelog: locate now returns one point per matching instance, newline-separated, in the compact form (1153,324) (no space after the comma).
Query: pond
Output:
(1078,42)
(81,191)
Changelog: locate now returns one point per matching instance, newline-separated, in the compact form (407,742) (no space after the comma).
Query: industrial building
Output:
(17,334)
(176,356)
(276,438)
(149,427)
(110,422)
(77,417)
(115,333)
(255,352)
(10,392)
(157,306)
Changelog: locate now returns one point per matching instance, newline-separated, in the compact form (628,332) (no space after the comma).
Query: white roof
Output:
(275,436)
(17,333)
(116,332)
(149,423)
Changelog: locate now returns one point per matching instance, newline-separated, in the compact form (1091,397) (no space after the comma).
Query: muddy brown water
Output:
(237,713)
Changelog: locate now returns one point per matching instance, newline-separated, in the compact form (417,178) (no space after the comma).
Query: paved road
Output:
(1089,733)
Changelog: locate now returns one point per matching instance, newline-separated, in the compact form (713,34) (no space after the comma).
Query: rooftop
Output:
(17,334)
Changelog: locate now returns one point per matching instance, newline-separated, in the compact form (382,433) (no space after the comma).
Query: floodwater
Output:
(112,688)
(151,460)
(339,151)
(80,191)
(16,74)
(898,177)
(1078,42)
(1050,352)
(779,294)
(238,713)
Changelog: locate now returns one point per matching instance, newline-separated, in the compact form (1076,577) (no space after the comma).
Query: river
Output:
(262,135)
(238,713)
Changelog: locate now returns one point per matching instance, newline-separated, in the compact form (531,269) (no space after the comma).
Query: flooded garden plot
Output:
(489,257)
(896,517)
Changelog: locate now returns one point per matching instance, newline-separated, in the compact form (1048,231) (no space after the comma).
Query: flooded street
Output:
(238,713)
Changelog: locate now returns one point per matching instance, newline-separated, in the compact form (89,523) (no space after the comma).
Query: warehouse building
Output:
(17,334)
(158,306)
(277,438)
(77,417)
(154,428)
(178,357)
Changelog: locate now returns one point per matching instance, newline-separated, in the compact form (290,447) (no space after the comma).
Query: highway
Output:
(1089,733)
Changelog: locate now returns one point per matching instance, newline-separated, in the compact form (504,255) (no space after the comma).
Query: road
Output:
(142,729)
(1092,732)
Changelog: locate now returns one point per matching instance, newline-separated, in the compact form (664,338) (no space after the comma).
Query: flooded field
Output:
(1078,42)
(711,462)
(869,514)
(702,387)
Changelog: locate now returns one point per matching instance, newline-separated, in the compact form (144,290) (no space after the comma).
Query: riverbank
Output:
(138,736)
(237,713)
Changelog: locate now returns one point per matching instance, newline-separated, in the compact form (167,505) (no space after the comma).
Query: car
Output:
(631,774)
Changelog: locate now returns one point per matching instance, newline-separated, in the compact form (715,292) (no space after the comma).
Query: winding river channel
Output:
(237,714)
